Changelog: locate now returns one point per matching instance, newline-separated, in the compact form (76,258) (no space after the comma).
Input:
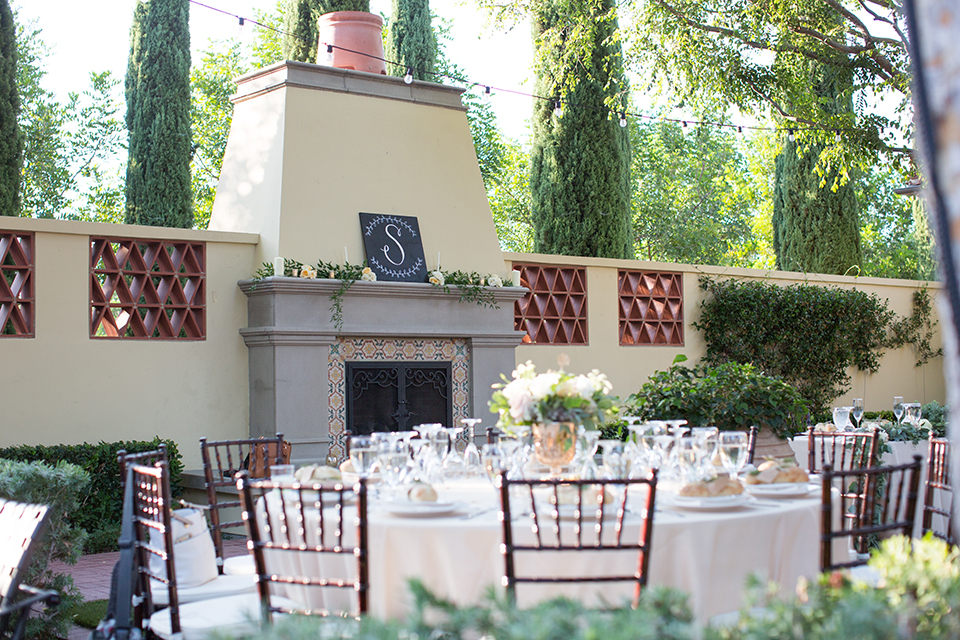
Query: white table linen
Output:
(706,554)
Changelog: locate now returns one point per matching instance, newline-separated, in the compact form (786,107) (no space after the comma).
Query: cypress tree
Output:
(816,226)
(411,41)
(300,30)
(158,187)
(11,140)
(580,162)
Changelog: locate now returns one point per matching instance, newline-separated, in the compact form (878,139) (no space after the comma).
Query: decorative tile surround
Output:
(456,351)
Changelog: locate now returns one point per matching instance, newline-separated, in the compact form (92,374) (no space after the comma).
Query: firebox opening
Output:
(396,396)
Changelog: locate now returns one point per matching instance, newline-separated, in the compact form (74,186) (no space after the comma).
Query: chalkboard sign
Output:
(394,247)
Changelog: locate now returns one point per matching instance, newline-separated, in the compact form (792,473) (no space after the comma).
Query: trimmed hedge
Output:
(101,508)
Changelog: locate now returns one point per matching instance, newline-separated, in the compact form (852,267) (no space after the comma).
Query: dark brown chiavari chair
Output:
(843,451)
(938,492)
(293,526)
(222,460)
(146,458)
(21,527)
(552,532)
(876,501)
(149,511)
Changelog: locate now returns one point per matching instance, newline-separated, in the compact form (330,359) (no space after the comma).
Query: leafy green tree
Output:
(11,140)
(580,161)
(158,187)
(509,196)
(752,53)
(326,6)
(411,42)
(693,200)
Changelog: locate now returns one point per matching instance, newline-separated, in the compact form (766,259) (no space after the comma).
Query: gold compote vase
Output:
(555,444)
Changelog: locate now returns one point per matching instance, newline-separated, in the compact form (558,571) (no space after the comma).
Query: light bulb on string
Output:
(329,54)
(486,92)
(684,124)
(623,119)
(836,137)
(739,129)
(408,78)
(557,109)
(790,135)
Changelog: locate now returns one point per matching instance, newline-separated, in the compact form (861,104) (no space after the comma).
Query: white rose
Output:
(368,275)
(543,385)
(495,281)
(436,277)
(569,387)
(525,370)
(308,272)
(585,387)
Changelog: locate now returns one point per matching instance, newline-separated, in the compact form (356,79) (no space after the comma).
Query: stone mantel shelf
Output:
(327,286)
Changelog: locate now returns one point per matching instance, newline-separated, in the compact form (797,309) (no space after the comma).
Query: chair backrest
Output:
(297,532)
(752,444)
(843,451)
(938,492)
(222,460)
(873,502)
(151,502)
(575,516)
(146,458)
(21,527)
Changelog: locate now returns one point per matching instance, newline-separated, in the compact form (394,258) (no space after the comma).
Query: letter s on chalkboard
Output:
(396,241)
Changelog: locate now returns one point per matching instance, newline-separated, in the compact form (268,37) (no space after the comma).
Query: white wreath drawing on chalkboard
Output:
(376,222)
(405,273)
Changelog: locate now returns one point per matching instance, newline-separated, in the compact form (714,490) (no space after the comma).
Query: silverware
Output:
(473,514)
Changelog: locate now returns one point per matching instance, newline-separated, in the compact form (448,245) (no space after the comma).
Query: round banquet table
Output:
(707,554)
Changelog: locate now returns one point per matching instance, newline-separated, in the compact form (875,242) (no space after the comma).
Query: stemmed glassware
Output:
(733,452)
(615,463)
(841,418)
(471,455)
(393,457)
(363,455)
(452,462)
(689,455)
(589,443)
(912,413)
(857,410)
(898,408)
(494,460)
(709,446)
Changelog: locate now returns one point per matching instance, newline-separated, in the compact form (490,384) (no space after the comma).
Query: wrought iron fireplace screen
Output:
(396,396)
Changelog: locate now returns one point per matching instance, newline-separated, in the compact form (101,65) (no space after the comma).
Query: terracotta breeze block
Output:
(555,310)
(16,284)
(651,308)
(147,289)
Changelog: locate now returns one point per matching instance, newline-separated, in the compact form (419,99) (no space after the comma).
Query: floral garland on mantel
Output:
(472,286)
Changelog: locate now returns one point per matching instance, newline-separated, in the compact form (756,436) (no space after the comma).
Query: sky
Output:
(93,35)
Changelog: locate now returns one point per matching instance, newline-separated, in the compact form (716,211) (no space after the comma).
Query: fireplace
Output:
(396,396)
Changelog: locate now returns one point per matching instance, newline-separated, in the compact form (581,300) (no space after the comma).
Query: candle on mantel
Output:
(516,278)
(346,256)
(438,261)
(278,266)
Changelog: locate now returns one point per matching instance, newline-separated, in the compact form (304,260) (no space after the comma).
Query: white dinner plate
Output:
(410,509)
(781,489)
(719,503)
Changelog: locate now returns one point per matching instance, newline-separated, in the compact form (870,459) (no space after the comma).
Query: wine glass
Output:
(589,443)
(709,446)
(392,455)
(494,460)
(898,408)
(857,410)
(689,454)
(733,451)
(471,455)
(614,461)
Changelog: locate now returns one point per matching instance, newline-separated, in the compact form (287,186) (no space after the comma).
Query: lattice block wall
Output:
(16,284)
(147,289)
(651,308)
(555,310)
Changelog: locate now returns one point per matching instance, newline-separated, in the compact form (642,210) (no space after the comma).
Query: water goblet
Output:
(733,452)
(512,456)
(494,460)
(471,455)
(688,455)
(857,410)
(363,454)
(898,408)
(392,456)
(912,412)
(709,445)
(615,463)
(452,463)
(841,418)
(589,443)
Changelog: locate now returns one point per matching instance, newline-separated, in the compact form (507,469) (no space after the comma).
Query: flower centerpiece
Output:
(553,404)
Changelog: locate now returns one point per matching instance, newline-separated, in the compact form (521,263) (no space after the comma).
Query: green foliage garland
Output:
(729,396)
(807,335)
(471,286)
(11,139)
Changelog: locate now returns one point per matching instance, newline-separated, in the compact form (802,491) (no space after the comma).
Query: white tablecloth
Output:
(706,554)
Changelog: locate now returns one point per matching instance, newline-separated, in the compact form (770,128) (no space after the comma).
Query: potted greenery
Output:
(730,396)
(350,37)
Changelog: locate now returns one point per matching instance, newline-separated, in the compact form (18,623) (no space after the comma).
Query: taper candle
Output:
(346,256)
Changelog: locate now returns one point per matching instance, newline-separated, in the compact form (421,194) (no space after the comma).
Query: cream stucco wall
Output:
(630,366)
(64,387)
(311,147)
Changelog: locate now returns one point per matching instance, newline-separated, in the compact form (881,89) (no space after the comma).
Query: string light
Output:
(790,135)
(558,108)
(836,137)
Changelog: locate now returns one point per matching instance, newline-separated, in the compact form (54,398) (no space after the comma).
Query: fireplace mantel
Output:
(293,341)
